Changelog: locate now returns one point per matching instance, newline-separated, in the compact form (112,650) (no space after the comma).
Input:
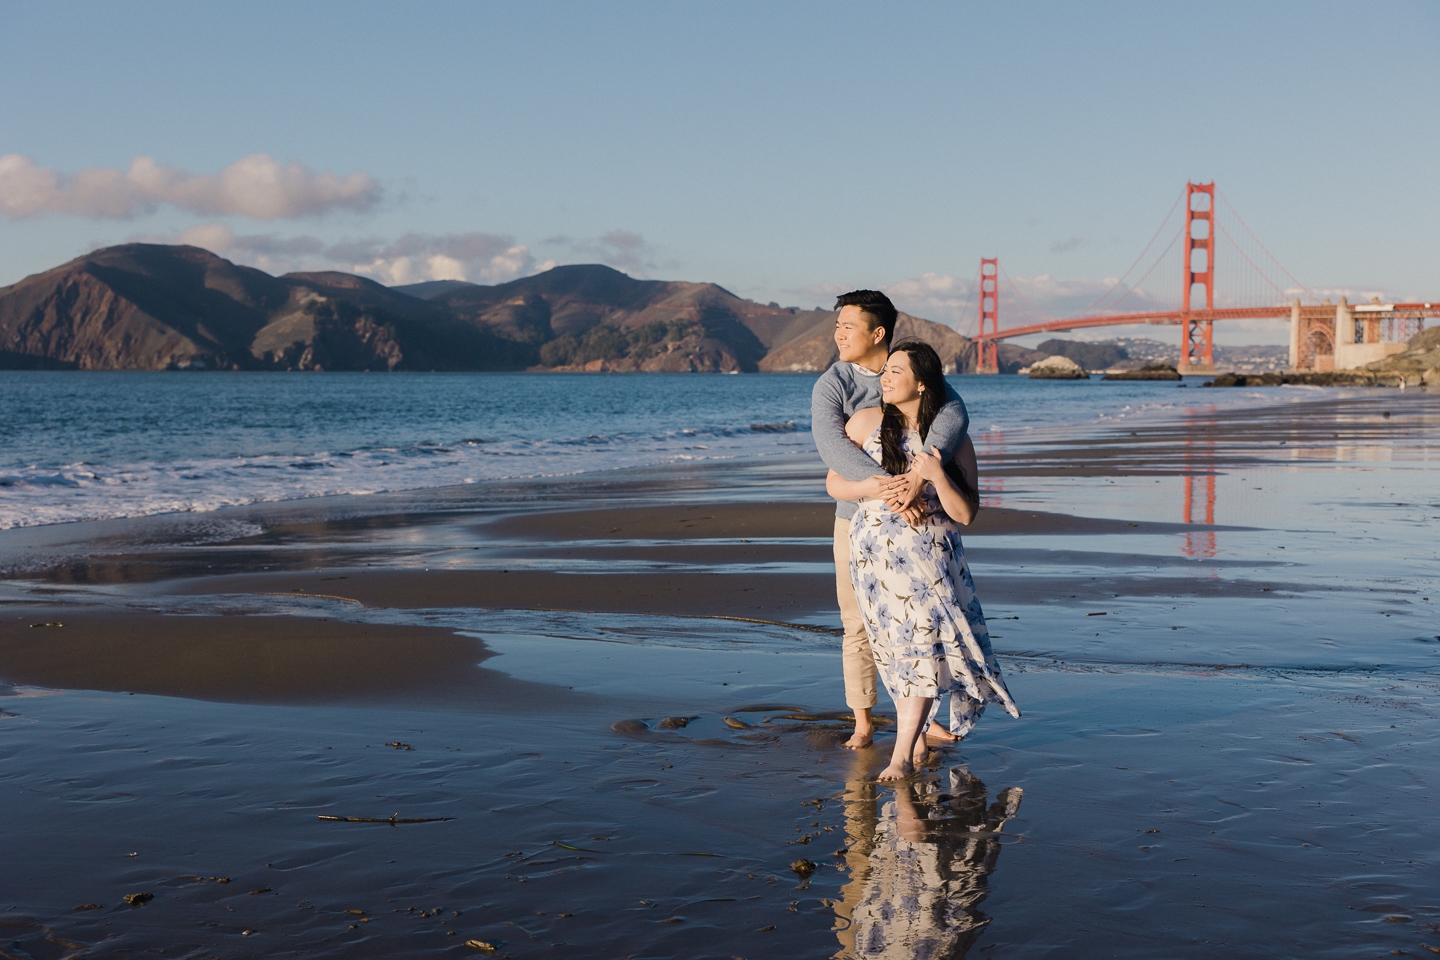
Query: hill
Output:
(430,288)
(155,307)
(1131,353)
(1091,356)
(590,317)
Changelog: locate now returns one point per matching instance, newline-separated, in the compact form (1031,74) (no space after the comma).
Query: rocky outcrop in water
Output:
(1307,378)
(1151,371)
(1057,368)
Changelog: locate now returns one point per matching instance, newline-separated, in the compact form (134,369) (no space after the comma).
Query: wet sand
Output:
(256,659)
(1222,632)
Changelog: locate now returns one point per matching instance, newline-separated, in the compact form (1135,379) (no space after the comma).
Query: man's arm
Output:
(951,425)
(827,425)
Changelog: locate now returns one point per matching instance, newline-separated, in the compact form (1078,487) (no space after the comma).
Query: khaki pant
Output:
(856,660)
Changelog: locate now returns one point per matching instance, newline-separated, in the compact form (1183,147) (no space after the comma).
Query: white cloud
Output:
(934,296)
(476,257)
(1351,294)
(1023,300)
(484,258)
(821,294)
(622,249)
(1052,297)
(215,237)
(257,186)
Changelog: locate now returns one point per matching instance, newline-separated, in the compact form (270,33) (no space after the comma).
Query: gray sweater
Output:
(845,388)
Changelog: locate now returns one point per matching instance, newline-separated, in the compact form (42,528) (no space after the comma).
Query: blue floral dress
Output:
(927,631)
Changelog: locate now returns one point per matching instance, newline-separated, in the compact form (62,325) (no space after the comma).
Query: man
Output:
(863,330)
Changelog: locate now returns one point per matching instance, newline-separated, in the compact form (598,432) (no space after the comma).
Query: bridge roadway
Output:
(1364,310)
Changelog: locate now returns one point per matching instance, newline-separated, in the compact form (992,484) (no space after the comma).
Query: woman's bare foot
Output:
(896,771)
(938,733)
(921,754)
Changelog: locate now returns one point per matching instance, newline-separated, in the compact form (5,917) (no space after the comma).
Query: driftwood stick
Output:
(311,596)
(393,818)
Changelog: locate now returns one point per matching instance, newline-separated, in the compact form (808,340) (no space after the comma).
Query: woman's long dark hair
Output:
(929,373)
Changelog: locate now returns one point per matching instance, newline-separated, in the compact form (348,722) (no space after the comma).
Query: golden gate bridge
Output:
(1323,335)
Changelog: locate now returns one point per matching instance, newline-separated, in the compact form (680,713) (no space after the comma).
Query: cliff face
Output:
(1419,365)
(137,307)
(593,318)
(155,307)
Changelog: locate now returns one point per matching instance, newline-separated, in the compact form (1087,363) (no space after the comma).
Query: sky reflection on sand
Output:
(1246,733)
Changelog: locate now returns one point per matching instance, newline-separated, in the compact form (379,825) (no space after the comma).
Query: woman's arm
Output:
(962,506)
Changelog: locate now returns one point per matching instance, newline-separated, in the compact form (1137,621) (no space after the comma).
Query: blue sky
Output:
(783,150)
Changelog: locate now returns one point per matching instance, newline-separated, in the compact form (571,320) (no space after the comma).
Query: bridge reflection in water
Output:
(919,855)
(1199,506)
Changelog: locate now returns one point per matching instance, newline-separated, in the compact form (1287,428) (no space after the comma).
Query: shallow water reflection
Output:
(919,855)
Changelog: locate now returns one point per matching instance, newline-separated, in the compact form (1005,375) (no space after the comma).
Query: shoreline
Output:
(616,704)
(372,472)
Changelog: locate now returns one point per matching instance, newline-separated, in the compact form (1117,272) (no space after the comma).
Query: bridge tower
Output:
(988,358)
(1197,344)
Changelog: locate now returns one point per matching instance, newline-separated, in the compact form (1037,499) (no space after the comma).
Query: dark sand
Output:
(1227,746)
(255,659)
(736,521)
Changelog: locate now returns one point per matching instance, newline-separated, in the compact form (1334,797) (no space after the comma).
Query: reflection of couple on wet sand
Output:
(918,866)
(893,434)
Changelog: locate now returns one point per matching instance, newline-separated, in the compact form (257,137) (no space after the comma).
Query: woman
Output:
(927,631)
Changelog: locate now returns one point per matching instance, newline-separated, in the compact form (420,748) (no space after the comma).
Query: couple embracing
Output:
(904,473)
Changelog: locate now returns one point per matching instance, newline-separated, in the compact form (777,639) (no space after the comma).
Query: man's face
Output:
(853,334)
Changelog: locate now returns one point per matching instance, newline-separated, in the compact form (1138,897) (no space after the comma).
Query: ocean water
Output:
(84,446)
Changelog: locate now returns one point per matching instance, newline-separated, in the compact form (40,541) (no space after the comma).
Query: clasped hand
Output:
(901,494)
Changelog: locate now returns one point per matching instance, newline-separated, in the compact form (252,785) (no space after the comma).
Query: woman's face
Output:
(897,380)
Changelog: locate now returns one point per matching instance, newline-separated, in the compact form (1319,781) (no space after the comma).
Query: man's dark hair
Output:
(878,309)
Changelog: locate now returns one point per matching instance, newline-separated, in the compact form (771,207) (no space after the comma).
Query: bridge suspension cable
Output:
(1033,312)
(1240,220)
(970,298)
(1246,257)
(1121,282)
(1179,232)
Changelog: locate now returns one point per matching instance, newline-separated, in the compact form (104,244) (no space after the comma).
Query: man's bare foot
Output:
(896,771)
(938,733)
(860,739)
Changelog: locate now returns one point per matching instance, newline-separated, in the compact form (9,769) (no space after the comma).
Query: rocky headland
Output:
(156,307)
(1417,366)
